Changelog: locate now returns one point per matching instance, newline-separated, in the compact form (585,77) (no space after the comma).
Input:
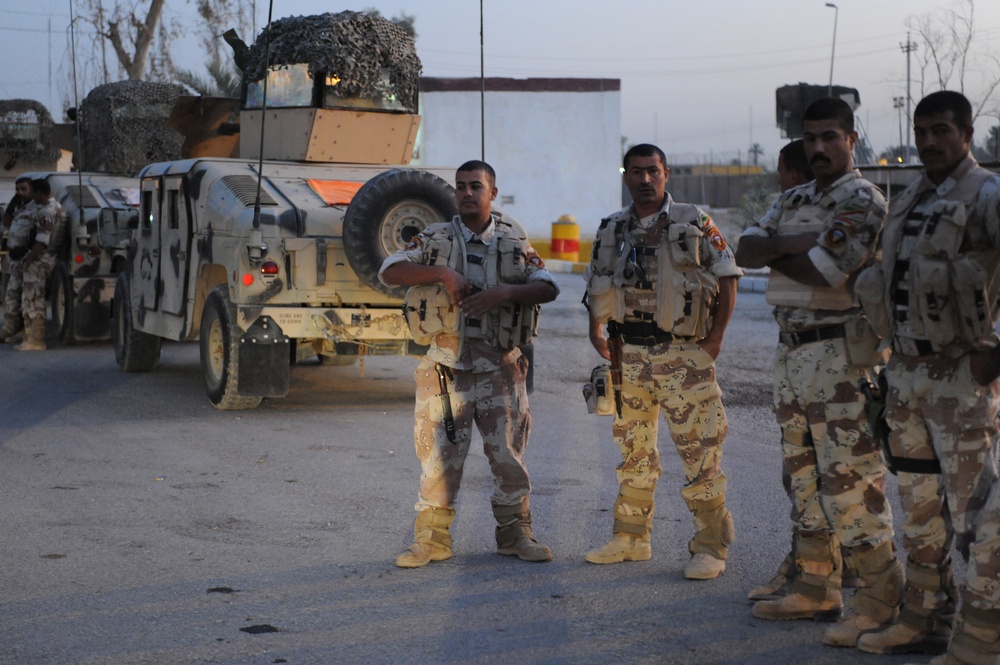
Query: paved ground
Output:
(140,525)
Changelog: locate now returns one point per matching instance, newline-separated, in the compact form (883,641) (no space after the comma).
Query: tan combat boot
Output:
(34,339)
(431,538)
(13,324)
(876,603)
(815,591)
(780,584)
(715,533)
(514,536)
(632,529)
(919,629)
(977,638)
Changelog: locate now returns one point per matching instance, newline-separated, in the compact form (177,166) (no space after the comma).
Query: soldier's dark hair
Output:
(795,158)
(23,178)
(479,165)
(830,108)
(644,150)
(41,185)
(943,101)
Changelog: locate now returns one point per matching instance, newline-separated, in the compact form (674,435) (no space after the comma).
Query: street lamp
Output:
(833,49)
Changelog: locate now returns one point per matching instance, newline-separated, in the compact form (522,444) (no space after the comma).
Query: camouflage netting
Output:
(351,45)
(123,126)
(25,133)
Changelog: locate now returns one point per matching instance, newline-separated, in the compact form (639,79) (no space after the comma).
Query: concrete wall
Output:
(555,143)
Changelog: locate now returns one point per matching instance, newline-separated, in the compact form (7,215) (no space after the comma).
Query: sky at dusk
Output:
(698,78)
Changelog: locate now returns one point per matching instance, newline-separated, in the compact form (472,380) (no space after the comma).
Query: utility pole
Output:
(897,103)
(908,48)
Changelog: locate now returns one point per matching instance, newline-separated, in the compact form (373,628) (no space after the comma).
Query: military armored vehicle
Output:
(273,256)
(91,251)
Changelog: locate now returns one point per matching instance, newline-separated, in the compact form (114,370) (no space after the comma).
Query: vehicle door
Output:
(175,238)
(146,262)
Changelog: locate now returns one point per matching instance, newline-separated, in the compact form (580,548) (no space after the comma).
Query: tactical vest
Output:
(685,290)
(429,311)
(809,217)
(951,285)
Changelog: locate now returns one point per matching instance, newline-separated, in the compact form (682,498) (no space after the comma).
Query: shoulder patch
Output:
(715,236)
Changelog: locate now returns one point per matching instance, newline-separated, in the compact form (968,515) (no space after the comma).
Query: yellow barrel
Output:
(566,239)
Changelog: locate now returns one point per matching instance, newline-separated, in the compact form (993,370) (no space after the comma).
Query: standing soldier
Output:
(48,218)
(816,239)
(935,295)
(18,219)
(475,285)
(664,282)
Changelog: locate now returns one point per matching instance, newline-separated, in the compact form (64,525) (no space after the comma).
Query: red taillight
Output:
(269,268)
(247,279)
(78,258)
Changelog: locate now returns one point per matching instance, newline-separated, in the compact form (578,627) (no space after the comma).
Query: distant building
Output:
(554,142)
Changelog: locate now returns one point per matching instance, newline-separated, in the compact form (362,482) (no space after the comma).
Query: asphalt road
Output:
(140,525)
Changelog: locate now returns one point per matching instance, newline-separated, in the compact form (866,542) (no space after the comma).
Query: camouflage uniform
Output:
(639,269)
(935,408)
(47,219)
(837,472)
(18,238)
(485,383)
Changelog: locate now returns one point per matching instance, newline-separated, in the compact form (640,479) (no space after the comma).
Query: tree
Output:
(952,55)
(138,37)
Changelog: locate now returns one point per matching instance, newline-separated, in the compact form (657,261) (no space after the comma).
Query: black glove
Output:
(18,253)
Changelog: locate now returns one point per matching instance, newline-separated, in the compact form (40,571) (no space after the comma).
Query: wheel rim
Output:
(403,221)
(216,351)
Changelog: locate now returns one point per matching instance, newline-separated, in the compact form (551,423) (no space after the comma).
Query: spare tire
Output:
(386,213)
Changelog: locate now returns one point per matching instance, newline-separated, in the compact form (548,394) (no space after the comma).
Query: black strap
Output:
(812,335)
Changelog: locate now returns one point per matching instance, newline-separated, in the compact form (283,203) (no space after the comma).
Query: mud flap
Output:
(263,362)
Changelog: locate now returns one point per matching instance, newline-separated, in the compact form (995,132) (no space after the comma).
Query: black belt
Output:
(812,335)
(912,347)
(641,333)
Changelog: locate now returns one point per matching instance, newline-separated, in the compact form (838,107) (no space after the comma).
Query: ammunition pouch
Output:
(864,347)
(428,311)
(597,393)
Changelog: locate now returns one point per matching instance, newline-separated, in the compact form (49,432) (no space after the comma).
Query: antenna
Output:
(256,240)
(482,91)
(76,116)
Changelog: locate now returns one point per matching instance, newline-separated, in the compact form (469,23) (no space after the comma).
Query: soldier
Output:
(935,295)
(48,218)
(18,220)
(476,284)
(663,281)
(816,239)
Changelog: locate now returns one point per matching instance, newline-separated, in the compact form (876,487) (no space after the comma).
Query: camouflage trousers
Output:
(935,409)
(33,289)
(678,379)
(497,402)
(15,286)
(837,472)
(982,585)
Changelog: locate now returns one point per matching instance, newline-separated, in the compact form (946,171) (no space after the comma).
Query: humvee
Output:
(90,250)
(273,256)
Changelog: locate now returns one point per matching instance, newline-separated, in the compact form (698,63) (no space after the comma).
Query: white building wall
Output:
(555,152)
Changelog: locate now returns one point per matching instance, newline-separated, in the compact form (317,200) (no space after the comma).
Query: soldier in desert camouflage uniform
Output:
(818,236)
(935,295)
(663,281)
(48,217)
(479,283)
(18,220)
